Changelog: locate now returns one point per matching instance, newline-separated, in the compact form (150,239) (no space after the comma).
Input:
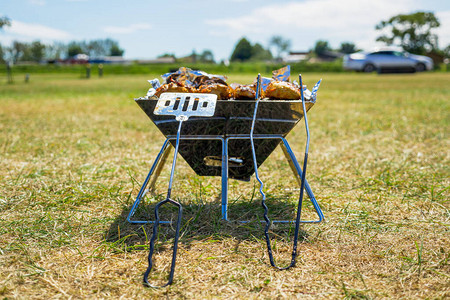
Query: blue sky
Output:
(146,29)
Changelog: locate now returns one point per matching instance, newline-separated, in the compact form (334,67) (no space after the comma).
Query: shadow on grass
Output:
(202,220)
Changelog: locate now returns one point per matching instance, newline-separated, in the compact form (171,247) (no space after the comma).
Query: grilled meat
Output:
(222,91)
(282,90)
(245,92)
(174,87)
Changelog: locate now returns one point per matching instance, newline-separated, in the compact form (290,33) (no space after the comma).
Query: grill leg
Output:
(295,167)
(159,168)
(156,165)
(225,179)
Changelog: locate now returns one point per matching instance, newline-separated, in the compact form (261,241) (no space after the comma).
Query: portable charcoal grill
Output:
(216,136)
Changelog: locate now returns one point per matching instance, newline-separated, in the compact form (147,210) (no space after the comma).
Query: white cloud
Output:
(344,20)
(329,14)
(30,32)
(443,31)
(127,29)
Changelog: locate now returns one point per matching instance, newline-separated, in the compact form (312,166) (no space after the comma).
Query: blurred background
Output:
(217,36)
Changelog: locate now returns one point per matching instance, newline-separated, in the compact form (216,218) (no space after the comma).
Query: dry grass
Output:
(74,152)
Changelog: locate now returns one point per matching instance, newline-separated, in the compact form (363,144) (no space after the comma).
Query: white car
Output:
(387,61)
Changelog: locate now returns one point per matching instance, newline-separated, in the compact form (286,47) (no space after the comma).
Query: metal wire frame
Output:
(160,160)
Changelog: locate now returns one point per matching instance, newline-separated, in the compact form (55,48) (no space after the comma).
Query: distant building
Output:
(294,57)
(159,60)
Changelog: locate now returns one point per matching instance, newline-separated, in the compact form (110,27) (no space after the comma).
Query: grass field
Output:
(73,153)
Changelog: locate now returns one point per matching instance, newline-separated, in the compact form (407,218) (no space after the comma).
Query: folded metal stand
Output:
(183,106)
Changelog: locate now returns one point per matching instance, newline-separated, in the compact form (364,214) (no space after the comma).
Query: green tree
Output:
(412,32)
(115,50)
(206,56)
(37,51)
(98,48)
(347,48)
(26,56)
(95,48)
(73,49)
(167,55)
(194,56)
(4,21)
(280,44)
(446,51)
(321,47)
(2,54)
(18,52)
(56,50)
(242,51)
(259,53)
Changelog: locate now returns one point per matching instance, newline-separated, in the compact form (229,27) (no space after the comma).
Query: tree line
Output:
(39,52)
(245,51)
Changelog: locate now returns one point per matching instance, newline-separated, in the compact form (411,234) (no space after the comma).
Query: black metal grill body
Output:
(231,118)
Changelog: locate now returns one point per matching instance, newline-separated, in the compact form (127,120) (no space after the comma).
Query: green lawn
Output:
(73,153)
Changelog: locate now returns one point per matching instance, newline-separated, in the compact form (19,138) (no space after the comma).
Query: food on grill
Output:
(175,87)
(205,79)
(182,75)
(185,80)
(211,84)
(222,91)
(245,92)
(282,90)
